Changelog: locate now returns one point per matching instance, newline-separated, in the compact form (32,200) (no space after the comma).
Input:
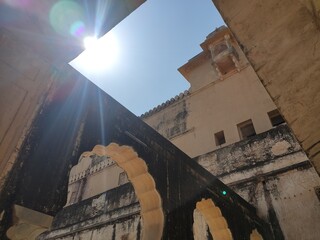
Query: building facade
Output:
(280,39)
(227,122)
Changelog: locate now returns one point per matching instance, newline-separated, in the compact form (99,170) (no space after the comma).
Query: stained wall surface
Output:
(114,214)
(287,194)
(272,172)
(23,87)
(281,41)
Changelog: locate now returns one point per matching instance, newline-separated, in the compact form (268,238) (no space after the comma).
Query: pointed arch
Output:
(217,224)
(143,184)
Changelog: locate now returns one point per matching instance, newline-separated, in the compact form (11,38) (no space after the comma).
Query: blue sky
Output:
(152,42)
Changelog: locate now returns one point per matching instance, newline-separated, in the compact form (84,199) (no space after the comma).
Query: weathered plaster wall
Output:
(271,172)
(114,214)
(287,193)
(24,81)
(281,41)
(274,146)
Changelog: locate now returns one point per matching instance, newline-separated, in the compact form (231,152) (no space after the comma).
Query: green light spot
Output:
(224,192)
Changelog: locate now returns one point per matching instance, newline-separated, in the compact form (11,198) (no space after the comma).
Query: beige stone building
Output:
(228,123)
(225,103)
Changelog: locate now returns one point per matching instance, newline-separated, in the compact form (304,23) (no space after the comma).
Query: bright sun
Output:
(100,54)
(89,42)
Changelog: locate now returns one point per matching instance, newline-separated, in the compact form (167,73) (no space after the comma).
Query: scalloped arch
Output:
(217,224)
(144,186)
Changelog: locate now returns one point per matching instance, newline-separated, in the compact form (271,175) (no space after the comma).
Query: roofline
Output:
(215,37)
(165,104)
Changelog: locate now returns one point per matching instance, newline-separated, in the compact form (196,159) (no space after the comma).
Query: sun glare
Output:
(100,54)
(89,42)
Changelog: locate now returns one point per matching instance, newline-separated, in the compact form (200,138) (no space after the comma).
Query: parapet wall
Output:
(271,171)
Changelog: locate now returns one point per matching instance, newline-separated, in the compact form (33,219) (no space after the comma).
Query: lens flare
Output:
(77,29)
(67,18)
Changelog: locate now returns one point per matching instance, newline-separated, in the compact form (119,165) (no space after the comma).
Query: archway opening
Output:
(143,184)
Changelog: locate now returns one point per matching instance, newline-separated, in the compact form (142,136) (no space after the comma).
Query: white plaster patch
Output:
(280,148)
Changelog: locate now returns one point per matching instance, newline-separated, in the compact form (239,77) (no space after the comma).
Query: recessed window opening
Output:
(275,118)
(219,138)
(246,129)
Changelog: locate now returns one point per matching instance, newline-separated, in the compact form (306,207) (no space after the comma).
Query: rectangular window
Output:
(219,138)
(275,118)
(246,129)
